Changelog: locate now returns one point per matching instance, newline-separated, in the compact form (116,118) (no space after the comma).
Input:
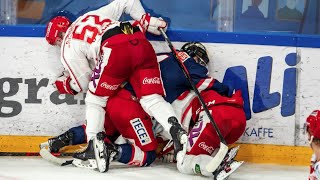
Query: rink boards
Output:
(279,85)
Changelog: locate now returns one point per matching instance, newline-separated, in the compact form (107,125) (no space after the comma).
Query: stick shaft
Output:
(186,73)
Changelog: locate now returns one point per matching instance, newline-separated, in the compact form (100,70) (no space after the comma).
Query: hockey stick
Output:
(50,157)
(218,158)
(32,154)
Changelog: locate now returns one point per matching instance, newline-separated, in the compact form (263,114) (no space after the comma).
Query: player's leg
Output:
(147,84)
(238,119)
(202,143)
(110,72)
(134,125)
(73,136)
(77,135)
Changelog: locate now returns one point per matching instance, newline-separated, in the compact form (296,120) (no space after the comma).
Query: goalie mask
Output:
(196,49)
(55,27)
(312,126)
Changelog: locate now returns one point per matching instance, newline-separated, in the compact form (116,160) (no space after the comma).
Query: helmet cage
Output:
(198,50)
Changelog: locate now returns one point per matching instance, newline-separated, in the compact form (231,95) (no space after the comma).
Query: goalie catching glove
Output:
(152,24)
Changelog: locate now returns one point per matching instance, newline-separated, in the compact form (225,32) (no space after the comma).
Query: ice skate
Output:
(228,165)
(178,134)
(104,152)
(86,157)
(98,154)
(56,143)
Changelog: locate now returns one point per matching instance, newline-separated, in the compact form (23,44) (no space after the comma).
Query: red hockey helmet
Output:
(55,26)
(313,124)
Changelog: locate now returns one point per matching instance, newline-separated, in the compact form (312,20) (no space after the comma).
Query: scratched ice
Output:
(35,168)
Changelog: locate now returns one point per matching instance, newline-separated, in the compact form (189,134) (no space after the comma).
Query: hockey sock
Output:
(133,155)
(79,135)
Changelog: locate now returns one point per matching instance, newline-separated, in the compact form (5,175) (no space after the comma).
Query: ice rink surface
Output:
(35,168)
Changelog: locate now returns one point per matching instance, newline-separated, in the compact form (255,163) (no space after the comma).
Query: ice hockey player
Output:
(203,141)
(313,131)
(96,39)
(199,74)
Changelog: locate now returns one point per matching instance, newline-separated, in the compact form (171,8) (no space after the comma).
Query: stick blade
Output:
(45,154)
(218,158)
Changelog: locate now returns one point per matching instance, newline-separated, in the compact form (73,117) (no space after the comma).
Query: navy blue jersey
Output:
(175,82)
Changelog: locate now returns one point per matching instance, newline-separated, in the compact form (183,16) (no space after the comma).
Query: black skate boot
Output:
(97,154)
(178,134)
(105,152)
(85,158)
(228,165)
(58,142)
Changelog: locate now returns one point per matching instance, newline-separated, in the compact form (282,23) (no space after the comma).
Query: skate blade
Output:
(234,166)
(233,153)
(99,148)
(89,164)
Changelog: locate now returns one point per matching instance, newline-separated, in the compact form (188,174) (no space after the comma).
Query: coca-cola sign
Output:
(109,87)
(205,147)
(154,80)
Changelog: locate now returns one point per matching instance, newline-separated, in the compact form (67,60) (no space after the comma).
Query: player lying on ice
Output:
(99,53)
(135,125)
(313,131)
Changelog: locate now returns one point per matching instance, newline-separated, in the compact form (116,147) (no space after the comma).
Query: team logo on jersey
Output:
(195,131)
(127,29)
(96,74)
(140,131)
(183,56)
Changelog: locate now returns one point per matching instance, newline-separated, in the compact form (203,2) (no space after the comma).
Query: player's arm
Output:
(199,75)
(79,72)
(116,8)
(316,171)
(315,161)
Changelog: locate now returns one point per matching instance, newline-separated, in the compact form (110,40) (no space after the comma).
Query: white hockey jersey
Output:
(81,45)
(314,168)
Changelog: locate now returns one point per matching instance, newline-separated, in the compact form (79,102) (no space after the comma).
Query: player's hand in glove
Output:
(152,24)
(63,85)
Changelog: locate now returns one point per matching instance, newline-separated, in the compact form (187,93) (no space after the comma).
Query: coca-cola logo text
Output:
(205,147)
(154,80)
(109,87)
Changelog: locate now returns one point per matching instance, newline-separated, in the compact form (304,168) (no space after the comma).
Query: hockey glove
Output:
(63,85)
(152,24)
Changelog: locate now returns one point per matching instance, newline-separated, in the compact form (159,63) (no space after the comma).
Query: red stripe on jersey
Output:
(70,70)
(186,112)
(183,95)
